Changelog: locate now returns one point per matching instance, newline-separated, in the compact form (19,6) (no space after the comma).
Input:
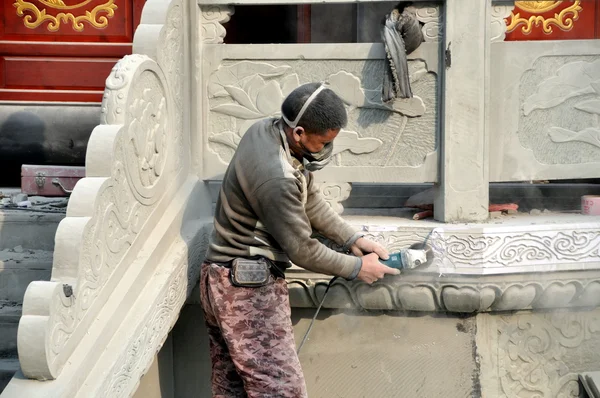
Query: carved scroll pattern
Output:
(413,292)
(517,249)
(533,348)
(430,16)
(142,170)
(564,20)
(135,186)
(141,352)
(335,193)
(171,59)
(212,17)
(498,25)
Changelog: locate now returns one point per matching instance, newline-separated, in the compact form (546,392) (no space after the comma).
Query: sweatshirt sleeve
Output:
(325,220)
(278,205)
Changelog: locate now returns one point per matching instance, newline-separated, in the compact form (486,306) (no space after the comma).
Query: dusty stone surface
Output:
(30,229)
(19,267)
(537,353)
(358,355)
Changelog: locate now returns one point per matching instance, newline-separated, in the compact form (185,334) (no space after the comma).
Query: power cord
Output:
(316,313)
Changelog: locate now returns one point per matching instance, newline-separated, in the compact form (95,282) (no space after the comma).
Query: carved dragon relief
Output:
(256,90)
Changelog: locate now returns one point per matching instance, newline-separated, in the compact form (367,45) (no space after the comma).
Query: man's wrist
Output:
(352,240)
(357,268)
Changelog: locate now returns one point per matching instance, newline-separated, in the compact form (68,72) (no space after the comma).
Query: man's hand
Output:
(372,269)
(364,246)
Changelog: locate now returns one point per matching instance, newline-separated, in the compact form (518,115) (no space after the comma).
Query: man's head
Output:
(320,121)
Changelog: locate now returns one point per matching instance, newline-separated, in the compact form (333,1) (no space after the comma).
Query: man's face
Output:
(312,143)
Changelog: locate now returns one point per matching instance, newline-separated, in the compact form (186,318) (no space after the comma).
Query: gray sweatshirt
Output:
(268,205)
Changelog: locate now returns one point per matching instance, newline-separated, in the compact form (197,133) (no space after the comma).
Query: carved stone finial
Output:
(212,18)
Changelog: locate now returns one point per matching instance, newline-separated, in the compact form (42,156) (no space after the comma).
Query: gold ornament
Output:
(537,7)
(34,17)
(564,20)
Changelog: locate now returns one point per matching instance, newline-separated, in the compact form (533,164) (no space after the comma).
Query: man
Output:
(267,208)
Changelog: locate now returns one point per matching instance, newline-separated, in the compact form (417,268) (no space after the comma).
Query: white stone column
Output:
(463,191)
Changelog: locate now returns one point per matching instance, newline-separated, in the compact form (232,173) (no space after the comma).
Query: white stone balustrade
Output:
(128,252)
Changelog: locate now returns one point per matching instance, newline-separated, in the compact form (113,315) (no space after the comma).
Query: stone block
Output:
(537,353)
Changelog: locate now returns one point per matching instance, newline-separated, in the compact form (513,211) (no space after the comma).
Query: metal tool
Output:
(416,255)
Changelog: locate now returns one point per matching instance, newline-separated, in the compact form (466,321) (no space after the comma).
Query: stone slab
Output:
(8,367)
(387,355)
(533,137)
(537,353)
(18,269)
(10,313)
(30,229)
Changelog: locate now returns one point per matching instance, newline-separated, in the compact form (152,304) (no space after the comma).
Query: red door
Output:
(62,50)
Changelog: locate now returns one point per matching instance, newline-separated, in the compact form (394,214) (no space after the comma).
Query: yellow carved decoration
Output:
(60,4)
(564,20)
(537,7)
(36,17)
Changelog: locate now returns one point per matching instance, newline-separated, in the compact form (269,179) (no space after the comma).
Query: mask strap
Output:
(310,99)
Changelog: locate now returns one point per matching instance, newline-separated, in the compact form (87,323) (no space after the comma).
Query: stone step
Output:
(10,314)
(19,267)
(8,367)
(29,228)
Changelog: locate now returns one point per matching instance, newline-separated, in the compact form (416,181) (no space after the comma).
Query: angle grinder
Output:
(415,256)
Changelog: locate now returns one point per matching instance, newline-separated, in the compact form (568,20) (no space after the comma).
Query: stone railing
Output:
(128,253)
(519,263)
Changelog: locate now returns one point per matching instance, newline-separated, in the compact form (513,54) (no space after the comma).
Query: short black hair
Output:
(325,112)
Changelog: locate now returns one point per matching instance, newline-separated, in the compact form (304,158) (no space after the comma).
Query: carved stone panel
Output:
(402,134)
(560,119)
(537,354)
(544,112)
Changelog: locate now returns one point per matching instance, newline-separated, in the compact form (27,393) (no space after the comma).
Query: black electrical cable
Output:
(316,313)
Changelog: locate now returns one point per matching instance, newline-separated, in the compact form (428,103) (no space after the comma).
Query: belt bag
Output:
(250,273)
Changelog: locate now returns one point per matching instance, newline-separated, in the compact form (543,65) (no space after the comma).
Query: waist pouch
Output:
(252,272)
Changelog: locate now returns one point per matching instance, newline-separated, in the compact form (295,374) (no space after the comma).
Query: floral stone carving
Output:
(248,91)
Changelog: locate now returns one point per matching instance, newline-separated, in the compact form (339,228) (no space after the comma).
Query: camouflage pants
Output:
(252,344)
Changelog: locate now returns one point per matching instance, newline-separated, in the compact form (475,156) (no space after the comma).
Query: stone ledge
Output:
(418,291)
(512,244)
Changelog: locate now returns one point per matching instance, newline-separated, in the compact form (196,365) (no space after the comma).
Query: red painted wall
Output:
(53,50)
(554,20)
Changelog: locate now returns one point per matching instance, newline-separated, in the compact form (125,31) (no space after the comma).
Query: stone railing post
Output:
(463,191)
